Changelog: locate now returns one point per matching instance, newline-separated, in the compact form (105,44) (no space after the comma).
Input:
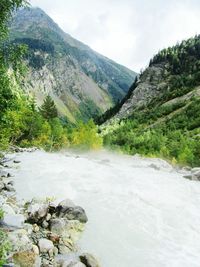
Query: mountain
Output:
(160,116)
(82,82)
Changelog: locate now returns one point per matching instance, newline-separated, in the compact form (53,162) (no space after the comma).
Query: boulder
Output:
(89,260)
(58,226)
(19,240)
(36,212)
(26,259)
(74,213)
(67,209)
(45,245)
(63,205)
(13,220)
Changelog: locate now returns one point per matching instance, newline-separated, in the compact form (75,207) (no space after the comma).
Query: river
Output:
(141,211)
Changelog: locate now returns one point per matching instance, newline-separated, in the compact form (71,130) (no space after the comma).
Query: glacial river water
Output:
(141,212)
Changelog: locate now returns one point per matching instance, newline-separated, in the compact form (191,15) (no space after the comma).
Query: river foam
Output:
(141,211)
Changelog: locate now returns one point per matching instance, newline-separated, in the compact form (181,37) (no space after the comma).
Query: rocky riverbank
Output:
(40,232)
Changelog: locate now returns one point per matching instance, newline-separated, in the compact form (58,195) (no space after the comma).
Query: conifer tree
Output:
(48,108)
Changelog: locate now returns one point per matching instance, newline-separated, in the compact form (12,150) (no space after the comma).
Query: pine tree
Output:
(48,108)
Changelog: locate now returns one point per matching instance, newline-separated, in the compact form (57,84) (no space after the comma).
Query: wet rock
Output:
(36,212)
(1,186)
(63,205)
(8,187)
(67,209)
(75,213)
(89,260)
(16,161)
(45,245)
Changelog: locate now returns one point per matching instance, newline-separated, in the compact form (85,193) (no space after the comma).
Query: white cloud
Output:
(127,31)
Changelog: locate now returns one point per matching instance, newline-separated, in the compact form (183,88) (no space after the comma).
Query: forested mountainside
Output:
(82,83)
(160,116)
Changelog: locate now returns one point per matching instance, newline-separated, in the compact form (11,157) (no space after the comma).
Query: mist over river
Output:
(142,213)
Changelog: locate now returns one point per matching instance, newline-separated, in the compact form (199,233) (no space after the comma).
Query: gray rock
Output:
(58,226)
(16,220)
(89,260)
(74,213)
(16,161)
(45,245)
(63,205)
(36,212)
(19,240)
(67,209)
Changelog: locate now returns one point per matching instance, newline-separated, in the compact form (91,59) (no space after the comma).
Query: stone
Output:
(63,205)
(63,249)
(7,209)
(48,217)
(16,161)
(36,228)
(58,226)
(19,240)
(36,212)
(45,245)
(67,209)
(45,224)
(16,220)
(89,260)
(55,251)
(26,259)
(35,249)
(74,213)
(54,238)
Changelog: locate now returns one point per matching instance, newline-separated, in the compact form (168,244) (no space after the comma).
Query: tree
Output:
(6,9)
(48,108)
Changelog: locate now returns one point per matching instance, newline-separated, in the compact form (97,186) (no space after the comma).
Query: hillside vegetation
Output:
(161,116)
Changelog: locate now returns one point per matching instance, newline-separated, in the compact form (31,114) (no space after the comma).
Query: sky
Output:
(127,31)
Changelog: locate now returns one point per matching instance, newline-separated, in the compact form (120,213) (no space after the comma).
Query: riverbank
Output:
(40,232)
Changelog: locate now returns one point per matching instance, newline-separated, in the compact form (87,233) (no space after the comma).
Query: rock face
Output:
(77,78)
(148,86)
(41,233)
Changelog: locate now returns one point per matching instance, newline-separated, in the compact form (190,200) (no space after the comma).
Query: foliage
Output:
(155,132)
(85,136)
(4,244)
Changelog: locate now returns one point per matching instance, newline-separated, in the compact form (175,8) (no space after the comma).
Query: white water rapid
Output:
(141,212)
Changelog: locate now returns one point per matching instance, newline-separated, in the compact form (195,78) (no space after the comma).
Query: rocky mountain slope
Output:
(82,82)
(160,115)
